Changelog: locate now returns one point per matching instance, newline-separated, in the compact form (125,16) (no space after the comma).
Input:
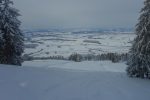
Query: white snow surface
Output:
(65,80)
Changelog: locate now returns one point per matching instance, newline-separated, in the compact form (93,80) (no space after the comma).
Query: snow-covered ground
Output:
(65,80)
(65,44)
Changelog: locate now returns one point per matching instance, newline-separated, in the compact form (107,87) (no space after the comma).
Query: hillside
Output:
(64,80)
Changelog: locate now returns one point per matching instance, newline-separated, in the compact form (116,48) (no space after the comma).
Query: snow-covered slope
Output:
(63,80)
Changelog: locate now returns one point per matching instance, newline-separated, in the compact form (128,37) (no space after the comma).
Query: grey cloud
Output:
(78,13)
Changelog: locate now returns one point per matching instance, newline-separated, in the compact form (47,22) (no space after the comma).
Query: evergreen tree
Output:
(11,37)
(139,62)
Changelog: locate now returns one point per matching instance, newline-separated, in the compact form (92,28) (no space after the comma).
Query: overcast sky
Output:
(43,14)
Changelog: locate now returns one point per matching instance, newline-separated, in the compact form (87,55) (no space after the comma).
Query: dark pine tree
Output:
(139,62)
(11,37)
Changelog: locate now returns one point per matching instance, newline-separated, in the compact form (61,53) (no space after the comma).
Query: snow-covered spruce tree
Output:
(139,60)
(11,37)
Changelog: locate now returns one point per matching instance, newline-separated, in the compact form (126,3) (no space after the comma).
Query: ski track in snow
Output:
(64,80)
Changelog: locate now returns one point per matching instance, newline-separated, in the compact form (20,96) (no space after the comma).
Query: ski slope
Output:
(64,80)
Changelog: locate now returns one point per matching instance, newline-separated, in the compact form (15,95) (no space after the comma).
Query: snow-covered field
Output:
(66,80)
(64,44)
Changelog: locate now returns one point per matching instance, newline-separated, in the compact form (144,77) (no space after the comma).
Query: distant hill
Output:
(82,30)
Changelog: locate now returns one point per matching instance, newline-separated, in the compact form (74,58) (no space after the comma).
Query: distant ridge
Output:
(82,30)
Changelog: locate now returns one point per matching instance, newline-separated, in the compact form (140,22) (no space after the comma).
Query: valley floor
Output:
(65,80)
